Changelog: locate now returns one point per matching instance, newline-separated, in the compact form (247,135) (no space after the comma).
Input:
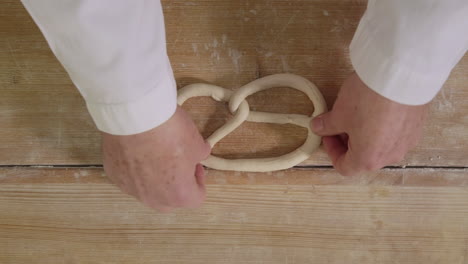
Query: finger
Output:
(197,188)
(334,147)
(326,125)
(340,155)
(346,165)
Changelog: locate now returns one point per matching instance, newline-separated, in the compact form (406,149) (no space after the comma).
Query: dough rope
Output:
(241,111)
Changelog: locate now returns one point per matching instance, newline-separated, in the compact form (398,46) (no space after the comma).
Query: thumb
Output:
(326,125)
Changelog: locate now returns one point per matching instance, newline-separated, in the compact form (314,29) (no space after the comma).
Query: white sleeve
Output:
(405,50)
(115,53)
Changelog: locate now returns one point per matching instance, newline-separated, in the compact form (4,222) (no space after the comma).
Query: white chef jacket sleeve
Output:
(115,54)
(405,50)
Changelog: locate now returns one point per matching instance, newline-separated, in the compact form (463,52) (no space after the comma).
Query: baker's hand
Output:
(365,131)
(160,167)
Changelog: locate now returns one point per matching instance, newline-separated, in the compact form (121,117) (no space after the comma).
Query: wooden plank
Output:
(225,42)
(76,216)
(409,177)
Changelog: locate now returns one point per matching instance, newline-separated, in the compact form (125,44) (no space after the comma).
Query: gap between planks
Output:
(422,177)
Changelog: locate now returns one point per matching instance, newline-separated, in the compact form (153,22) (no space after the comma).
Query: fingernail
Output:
(317,124)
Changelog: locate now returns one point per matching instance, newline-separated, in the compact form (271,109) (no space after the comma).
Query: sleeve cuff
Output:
(140,115)
(387,76)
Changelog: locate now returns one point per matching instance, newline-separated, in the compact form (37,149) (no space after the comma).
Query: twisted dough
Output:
(240,108)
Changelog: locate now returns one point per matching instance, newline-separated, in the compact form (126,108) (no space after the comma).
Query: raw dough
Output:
(240,108)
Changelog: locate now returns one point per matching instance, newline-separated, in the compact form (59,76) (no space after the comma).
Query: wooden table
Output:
(56,205)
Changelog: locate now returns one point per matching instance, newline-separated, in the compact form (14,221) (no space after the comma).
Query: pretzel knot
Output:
(241,111)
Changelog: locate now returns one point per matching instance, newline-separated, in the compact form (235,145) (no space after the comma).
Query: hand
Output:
(160,167)
(365,131)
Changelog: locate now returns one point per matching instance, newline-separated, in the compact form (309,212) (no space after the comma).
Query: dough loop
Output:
(241,111)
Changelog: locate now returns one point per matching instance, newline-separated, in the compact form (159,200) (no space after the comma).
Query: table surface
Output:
(58,207)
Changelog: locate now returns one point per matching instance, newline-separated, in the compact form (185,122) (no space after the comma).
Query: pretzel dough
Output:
(240,108)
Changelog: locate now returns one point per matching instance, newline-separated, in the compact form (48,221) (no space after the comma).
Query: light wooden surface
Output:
(225,42)
(75,216)
(304,215)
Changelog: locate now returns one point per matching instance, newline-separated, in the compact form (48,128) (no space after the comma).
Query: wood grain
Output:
(408,177)
(226,42)
(76,216)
